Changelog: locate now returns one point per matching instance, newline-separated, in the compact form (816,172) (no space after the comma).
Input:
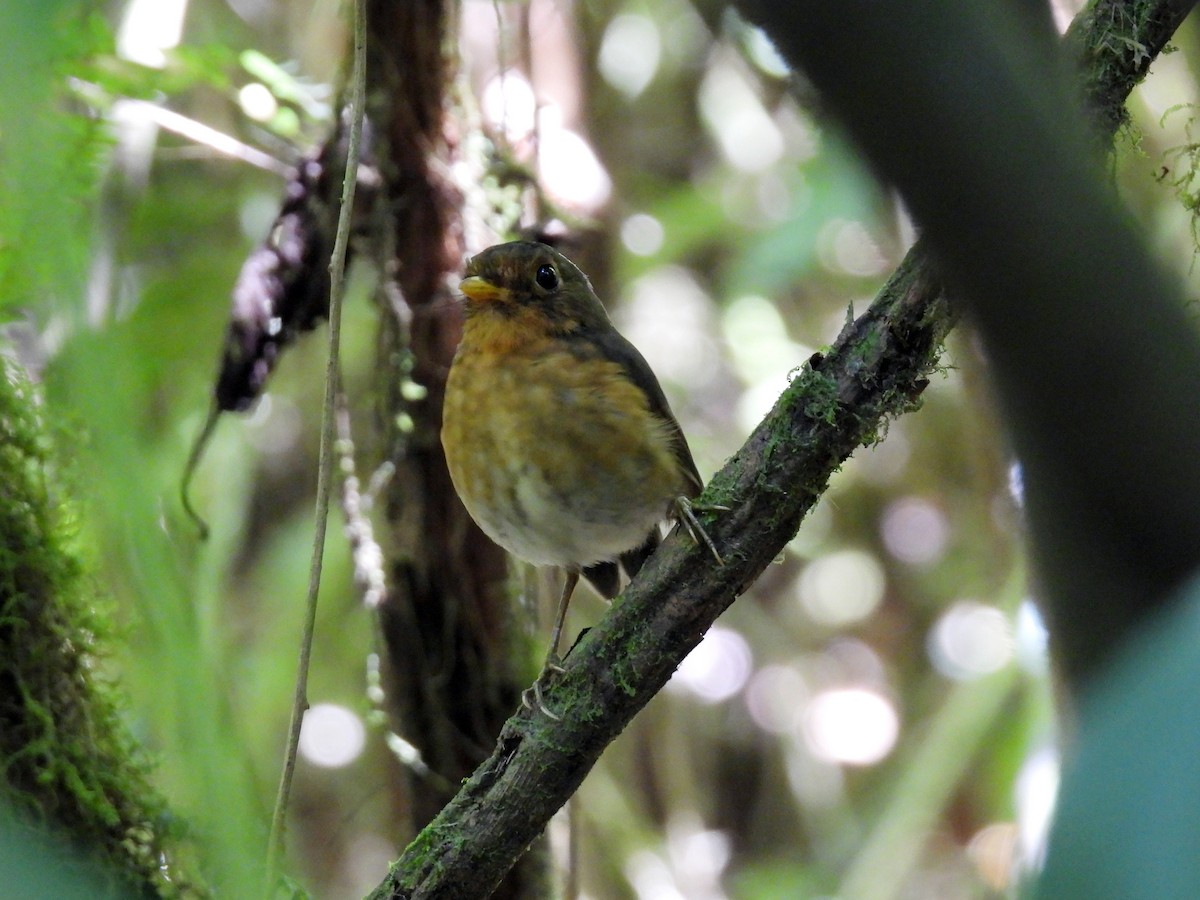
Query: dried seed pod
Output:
(282,290)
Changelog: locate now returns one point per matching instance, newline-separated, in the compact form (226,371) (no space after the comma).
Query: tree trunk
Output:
(446,620)
(76,806)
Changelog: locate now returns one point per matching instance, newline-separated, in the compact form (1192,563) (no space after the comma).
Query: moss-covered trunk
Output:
(83,816)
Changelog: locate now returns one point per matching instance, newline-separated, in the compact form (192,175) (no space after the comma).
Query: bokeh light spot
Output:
(698,855)
(717,669)
(642,234)
(847,246)
(651,877)
(331,735)
(969,640)
(993,850)
(257,101)
(814,531)
(149,28)
(841,588)
(629,53)
(667,315)
(852,726)
(1036,797)
(758,338)
(764,54)
(775,697)
(744,130)
(914,531)
(762,352)
(1032,639)
(508,104)
(1016,484)
(571,172)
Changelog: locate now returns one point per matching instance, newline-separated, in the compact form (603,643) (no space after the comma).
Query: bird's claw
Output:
(687,516)
(551,668)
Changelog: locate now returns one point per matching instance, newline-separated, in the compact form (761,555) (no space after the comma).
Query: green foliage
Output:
(1185,179)
(1126,825)
(66,759)
(302,103)
(171,666)
(103,77)
(70,759)
(43,153)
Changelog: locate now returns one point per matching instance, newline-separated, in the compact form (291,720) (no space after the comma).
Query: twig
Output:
(337,269)
(208,136)
(206,432)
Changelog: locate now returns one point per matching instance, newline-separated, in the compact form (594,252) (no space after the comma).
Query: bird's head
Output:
(531,282)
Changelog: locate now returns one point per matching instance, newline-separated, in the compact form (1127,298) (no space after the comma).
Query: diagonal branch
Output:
(1116,41)
(836,403)
(876,369)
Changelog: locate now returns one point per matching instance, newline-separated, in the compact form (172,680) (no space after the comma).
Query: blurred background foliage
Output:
(873,719)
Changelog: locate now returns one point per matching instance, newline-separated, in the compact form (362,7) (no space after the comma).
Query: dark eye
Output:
(546,278)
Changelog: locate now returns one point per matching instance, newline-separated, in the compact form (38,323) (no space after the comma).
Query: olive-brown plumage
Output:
(558,436)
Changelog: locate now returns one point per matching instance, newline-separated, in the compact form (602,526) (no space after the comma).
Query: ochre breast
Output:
(557,457)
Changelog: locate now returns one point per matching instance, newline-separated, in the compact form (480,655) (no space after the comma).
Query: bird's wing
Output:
(613,346)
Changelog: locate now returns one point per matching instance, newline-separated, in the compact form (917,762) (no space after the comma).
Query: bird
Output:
(556,432)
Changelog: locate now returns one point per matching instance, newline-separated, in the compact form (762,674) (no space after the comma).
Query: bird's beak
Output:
(480,289)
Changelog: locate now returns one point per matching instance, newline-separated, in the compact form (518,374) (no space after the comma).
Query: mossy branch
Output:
(836,403)
(876,369)
(1117,40)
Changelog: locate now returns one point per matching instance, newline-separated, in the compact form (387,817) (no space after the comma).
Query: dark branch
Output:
(1087,336)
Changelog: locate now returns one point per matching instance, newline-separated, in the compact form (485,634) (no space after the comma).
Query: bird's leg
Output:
(553,663)
(564,600)
(685,513)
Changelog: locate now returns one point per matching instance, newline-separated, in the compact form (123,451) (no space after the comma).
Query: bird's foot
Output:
(532,697)
(687,515)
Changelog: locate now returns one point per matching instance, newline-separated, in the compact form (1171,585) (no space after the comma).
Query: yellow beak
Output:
(477,288)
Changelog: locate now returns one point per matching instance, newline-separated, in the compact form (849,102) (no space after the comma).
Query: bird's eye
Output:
(546,277)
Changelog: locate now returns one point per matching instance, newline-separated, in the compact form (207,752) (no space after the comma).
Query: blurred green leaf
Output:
(187,67)
(47,158)
(309,98)
(1128,820)
(771,879)
(833,185)
(174,667)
